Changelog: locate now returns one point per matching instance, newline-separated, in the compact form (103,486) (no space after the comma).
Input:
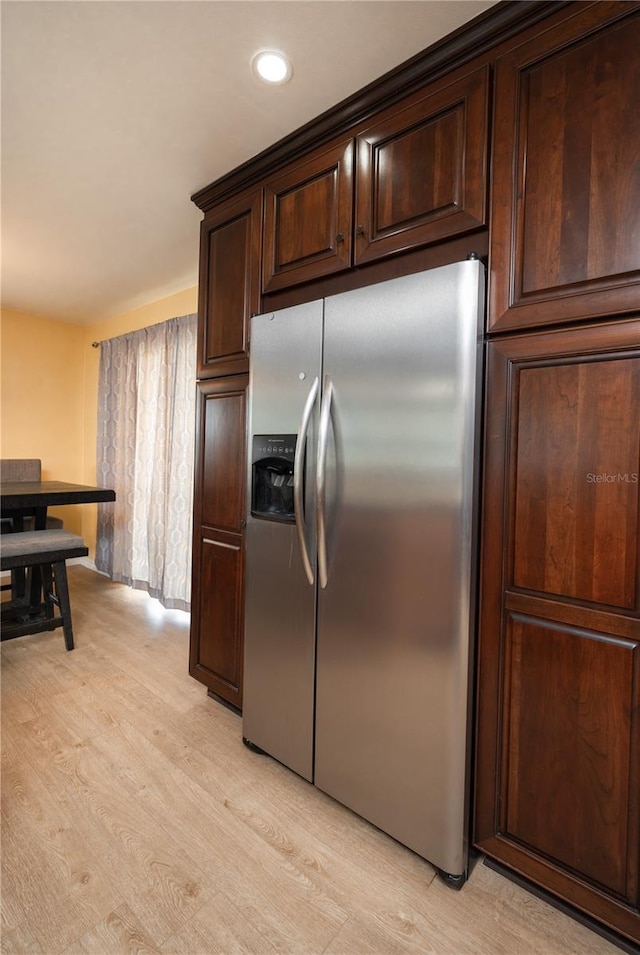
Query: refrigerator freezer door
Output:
(394,619)
(286,353)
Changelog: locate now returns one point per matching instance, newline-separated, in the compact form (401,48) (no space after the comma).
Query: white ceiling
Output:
(115,111)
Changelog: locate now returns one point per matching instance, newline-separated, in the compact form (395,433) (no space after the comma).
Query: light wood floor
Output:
(134,820)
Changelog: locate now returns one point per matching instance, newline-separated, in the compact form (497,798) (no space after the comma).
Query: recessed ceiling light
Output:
(271,66)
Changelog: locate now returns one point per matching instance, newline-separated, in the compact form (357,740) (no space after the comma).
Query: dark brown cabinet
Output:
(307,219)
(558,754)
(218,649)
(218,540)
(421,171)
(558,683)
(565,214)
(419,177)
(229,286)
(229,292)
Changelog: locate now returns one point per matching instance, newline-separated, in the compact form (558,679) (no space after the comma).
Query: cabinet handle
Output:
(207,540)
(359,230)
(340,237)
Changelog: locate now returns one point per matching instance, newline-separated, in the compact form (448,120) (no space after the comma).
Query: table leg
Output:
(35,583)
(39,518)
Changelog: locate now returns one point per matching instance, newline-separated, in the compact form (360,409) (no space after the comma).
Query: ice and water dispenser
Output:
(272,476)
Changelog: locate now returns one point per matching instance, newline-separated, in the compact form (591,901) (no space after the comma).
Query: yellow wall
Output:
(42,391)
(49,393)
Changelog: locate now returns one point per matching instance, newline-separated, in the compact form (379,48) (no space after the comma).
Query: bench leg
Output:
(62,594)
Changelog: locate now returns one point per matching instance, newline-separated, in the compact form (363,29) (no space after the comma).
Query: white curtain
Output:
(146,433)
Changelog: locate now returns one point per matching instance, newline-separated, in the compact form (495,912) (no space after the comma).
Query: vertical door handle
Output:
(298,478)
(323,439)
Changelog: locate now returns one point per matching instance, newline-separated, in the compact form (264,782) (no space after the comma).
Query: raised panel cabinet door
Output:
(558,663)
(220,487)
(218,538)
(565,217)
(307,219)
(229,286)
(216,645)
(421,169)
(577,479)
(569,790)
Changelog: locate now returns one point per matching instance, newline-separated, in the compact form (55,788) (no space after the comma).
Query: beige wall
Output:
(49,393)
(41,396)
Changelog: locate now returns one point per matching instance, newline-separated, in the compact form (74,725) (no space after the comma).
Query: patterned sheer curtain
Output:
(146,433)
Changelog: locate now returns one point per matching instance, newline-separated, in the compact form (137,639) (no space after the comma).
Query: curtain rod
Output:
(176,318)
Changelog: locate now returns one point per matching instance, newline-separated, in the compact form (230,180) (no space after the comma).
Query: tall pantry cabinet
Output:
(230,249)
(558,721)
(517,138)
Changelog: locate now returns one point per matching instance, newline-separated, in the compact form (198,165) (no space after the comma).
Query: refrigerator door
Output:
(401,366)
(286,355)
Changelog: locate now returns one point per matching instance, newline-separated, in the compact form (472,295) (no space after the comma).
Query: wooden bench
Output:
(48,551)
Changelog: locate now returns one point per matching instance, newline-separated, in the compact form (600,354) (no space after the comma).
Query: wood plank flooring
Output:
(134,820)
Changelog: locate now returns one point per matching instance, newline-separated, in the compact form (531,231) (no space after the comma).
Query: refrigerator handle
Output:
(323,438)
(298,478)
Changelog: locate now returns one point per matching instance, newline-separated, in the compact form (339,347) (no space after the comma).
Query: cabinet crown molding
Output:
(469,41)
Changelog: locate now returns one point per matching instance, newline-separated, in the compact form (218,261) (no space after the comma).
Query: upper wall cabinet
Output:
(421,173)
(229,287)
(307,220)
(565,218)
(420,177)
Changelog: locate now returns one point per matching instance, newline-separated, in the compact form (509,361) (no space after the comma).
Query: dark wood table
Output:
(19,499)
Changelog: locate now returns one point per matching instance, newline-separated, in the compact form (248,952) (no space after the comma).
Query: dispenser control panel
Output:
(276,445)
(272,476)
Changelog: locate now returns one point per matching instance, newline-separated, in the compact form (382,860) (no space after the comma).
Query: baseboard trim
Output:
(84,561)
(624,944)
(87,562)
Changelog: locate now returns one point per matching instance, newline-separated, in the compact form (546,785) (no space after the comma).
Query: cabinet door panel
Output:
(577,481)
(223,472)
(230,239)
(218,540)
(565,214)
(219,641)
(403,191)
(567,787)
(421,170)
(558,687)
(307,225)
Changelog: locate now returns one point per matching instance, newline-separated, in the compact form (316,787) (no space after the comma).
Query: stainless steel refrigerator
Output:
(359,616)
